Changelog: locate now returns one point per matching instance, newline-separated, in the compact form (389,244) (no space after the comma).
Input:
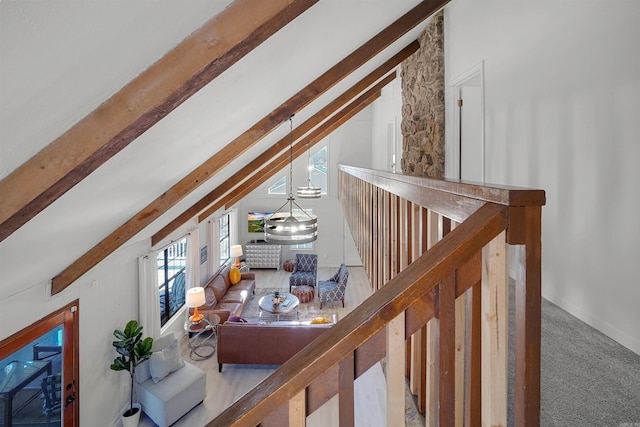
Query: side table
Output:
(201,337)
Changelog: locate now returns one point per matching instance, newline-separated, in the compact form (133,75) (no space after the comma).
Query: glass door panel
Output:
(35,365)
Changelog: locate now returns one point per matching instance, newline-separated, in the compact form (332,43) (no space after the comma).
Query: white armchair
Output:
(166,386)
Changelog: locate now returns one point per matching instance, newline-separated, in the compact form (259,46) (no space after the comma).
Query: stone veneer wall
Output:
(423,104)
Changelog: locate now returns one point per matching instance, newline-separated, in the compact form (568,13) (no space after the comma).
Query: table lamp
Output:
(236,251)
(195,298)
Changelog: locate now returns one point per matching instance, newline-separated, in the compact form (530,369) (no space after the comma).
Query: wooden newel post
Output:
(528,317)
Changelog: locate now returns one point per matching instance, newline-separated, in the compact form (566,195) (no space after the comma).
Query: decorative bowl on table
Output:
(277,299)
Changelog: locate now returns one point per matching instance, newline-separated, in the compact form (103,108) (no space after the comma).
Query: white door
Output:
(468,132)
(471,151)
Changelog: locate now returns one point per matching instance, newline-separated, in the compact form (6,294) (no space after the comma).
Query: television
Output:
(255,221)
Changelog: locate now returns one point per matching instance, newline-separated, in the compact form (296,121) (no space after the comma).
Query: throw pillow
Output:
(234,275)
(165,361)
(237,319)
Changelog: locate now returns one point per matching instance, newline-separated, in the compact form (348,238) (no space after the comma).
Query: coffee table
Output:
(287,306)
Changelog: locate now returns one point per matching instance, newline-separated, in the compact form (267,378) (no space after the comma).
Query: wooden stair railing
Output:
(441,312)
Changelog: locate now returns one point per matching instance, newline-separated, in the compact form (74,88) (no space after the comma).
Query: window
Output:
(225,239)
(279,187)
(304,246)
(172,263)
(318,169)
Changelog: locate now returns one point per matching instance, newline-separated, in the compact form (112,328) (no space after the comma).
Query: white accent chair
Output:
(166,386)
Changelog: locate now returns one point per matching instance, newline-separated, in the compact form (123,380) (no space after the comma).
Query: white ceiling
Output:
(60,59)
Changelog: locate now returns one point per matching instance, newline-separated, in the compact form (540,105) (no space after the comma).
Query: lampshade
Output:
(309,191)
(195,297)
(287,228)
(236,250)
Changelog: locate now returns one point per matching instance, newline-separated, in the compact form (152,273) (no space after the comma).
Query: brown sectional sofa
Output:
(264,344)
(225,299)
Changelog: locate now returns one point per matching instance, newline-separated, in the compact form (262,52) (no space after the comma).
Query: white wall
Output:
(349,144)
(562,102)
(386,136)
(108,297)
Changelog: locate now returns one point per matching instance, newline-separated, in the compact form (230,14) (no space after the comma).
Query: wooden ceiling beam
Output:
(250,137)
(273,151)
(204,55)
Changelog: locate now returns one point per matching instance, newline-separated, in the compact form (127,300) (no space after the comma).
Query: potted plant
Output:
(132,350)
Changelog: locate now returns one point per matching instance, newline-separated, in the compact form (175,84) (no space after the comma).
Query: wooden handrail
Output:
(423,291)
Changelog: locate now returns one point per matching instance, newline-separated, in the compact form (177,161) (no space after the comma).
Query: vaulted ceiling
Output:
(121,121)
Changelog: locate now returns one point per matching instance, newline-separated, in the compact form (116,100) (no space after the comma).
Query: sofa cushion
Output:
(224,273)
(321,321)
(234,308)
(219,286)
(210,299)
(233,295)
(165,361)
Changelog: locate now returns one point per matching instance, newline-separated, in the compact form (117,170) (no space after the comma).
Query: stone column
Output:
(423,104)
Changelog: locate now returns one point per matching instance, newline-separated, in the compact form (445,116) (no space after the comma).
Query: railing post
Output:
(528,320)
(495,340)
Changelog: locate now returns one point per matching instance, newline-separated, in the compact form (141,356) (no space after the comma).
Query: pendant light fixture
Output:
(309,192)
(289,228)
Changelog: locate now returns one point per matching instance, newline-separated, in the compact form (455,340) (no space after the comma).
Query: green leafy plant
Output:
(132,350)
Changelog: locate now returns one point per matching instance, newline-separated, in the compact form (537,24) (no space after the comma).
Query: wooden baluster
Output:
(431,394)
(429,236)
(417,377)
(460,352)
(395,371)
(298,410)
(494,332)
(473,389)
(346,401)
(447,364)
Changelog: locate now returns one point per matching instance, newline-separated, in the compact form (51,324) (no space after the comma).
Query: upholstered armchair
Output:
(304,271)
(334,288)
(168,387)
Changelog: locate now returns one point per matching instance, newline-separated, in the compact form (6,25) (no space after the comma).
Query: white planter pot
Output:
(133,420)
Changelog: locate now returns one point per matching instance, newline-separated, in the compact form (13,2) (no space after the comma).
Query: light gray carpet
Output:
(587,379)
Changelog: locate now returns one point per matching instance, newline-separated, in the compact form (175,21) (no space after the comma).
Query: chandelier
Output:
(295,226)
(309,192)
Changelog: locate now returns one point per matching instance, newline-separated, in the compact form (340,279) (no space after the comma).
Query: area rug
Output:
(303,312)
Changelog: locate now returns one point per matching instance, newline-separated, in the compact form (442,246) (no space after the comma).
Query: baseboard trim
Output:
(595,322)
